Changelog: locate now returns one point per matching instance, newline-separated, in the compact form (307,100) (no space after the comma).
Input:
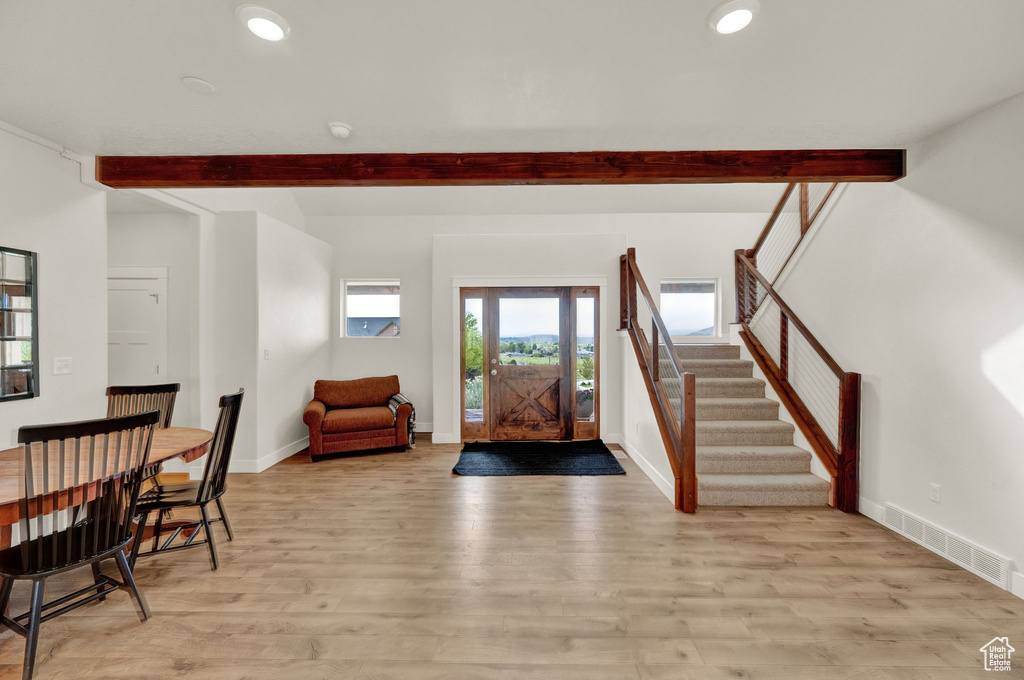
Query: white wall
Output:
(919,285)
(294,273)
(278,203)
(171,241)
(236,329)
(698,245)
(45,208)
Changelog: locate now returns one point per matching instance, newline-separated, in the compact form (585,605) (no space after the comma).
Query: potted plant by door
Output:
(584,404)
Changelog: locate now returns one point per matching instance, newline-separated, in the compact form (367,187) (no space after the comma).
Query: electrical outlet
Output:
(266,355)
(62,366)
(935,493)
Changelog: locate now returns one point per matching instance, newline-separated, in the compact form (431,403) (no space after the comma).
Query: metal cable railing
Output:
(672,391)
(822,397)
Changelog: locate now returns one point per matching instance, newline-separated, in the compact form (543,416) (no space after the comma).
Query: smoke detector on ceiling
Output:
(340,130)
(198,85)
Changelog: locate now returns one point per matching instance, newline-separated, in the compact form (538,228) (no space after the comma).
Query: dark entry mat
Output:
(486,459)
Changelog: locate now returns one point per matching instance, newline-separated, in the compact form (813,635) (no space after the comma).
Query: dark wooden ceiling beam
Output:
(476,169)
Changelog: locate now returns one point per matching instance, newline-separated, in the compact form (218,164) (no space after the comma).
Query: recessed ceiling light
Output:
(198,85)
(340,130)
(263,22)
(733,16)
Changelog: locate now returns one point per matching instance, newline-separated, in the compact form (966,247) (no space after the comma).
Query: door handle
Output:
(494,371)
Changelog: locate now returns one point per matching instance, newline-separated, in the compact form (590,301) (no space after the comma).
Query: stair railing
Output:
(823,399)
(664,377)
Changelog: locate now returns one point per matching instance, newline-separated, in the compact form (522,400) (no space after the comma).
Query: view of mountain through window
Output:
(688,306)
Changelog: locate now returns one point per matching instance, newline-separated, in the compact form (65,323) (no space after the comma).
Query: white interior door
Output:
(137,323)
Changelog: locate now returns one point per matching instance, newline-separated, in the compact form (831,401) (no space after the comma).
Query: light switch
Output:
(62,366)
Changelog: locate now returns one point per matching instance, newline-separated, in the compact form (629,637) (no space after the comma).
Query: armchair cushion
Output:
(358,419)
(356,393)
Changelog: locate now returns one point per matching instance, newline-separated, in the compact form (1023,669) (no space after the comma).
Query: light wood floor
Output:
(387,567)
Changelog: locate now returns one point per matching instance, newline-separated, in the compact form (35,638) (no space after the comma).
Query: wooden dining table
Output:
(169,443)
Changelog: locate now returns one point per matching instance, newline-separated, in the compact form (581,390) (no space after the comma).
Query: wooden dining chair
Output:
(163,498)
(124,400)
(79,492)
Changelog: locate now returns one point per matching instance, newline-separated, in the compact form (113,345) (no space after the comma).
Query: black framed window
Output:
(19,325)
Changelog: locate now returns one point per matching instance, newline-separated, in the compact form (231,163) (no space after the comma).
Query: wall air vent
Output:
(984,563)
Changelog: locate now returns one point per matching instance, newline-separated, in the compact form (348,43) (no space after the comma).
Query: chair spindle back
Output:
(80,485)
(125,400)
(219,456)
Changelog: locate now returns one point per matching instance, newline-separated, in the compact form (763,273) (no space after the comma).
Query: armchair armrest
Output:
(313,416)
(405,419)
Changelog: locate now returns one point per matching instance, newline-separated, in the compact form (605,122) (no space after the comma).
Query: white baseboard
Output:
(666,486)
(445,438)
(1017,584)
(614,438)
(264,462)
(424,427)
(876,512)
(871,509)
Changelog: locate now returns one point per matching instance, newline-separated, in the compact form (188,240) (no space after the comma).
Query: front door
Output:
(530,364)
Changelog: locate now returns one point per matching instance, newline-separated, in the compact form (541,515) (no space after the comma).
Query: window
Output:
(19,336)
(372,309)
(690,307)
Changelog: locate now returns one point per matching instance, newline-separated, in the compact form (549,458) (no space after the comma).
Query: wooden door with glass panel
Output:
(529,362)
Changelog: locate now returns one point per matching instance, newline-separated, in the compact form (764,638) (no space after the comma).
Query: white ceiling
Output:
(494,75)
(538,200)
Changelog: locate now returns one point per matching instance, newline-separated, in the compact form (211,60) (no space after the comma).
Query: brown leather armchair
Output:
(358,415)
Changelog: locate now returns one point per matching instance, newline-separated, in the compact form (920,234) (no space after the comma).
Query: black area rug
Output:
(486,459)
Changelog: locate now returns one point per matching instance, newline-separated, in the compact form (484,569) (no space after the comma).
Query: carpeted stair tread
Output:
(744,432)
(695,351)
(711,368)
(737,408)
(769,489)
(752,460)
(729,387)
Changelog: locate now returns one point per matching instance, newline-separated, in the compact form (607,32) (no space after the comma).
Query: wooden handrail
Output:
(791,315)
(655,315)
(678,429)
(771,220)
(839,457)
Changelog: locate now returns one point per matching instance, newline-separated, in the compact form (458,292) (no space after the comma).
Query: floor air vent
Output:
(985,564)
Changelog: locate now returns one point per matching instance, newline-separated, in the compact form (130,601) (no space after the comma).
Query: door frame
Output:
(477,287)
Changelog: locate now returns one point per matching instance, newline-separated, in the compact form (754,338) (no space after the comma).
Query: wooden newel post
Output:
(805,212)
(623,295)
(741,289)
(783,346)
(686,486)
(847,488)
(631,285)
